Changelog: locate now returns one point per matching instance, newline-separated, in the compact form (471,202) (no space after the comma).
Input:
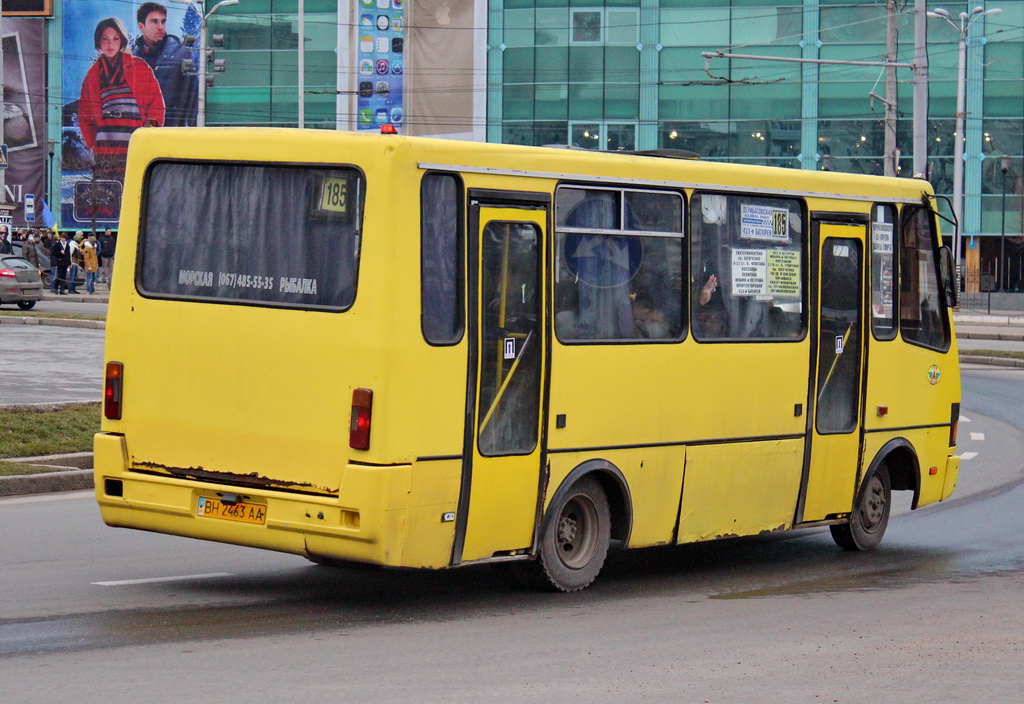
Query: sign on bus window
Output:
(747,267)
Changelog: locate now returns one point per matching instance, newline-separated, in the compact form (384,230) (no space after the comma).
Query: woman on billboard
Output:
(119,95)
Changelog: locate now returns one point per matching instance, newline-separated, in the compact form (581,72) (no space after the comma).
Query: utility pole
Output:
(920,83)
(890,166)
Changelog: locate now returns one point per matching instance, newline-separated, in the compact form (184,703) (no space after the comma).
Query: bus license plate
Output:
(241,512)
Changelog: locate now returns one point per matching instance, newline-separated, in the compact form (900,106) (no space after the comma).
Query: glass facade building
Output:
(630,74)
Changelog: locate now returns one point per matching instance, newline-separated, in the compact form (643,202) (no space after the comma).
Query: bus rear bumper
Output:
(368,521)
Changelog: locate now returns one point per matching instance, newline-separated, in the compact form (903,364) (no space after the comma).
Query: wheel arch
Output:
(615,487)
(904,468)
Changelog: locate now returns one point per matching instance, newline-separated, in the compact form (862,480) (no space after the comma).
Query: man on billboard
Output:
(164,53)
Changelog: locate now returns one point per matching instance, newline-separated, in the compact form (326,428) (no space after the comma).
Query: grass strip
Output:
(26,431)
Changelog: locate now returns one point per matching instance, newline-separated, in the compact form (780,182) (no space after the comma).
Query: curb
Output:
(992,361)
(73,480)
(1008,336)
(59,322)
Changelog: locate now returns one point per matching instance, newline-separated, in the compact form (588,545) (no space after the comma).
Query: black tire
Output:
(26,305)
(870,514)
(576,536)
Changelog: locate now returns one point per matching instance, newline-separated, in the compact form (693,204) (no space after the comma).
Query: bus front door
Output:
(503,449)
(835,437)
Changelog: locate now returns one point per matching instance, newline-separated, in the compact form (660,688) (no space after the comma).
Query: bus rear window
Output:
(282,236)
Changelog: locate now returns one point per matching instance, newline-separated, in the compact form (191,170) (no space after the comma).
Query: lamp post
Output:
(1004,166)
(201,107)
(963,26)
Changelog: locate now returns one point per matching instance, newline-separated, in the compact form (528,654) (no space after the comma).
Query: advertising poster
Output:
(122,71)
(24,111)
(381,53)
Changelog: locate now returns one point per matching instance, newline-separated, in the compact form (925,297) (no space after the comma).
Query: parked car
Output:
(44,265)
(20,282)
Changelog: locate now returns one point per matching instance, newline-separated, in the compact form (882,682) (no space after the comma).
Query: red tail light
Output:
(8,272)
(362,409)
(112,387)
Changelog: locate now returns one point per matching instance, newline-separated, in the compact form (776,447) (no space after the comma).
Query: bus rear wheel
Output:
(870,515)
(575,541)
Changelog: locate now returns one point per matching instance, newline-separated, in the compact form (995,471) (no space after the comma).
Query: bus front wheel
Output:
(575,541)
(870,515)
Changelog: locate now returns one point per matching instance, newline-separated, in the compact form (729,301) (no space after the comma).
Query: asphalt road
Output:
(93,613)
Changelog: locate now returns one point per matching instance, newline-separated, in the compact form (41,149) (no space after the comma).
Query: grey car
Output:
(20,282)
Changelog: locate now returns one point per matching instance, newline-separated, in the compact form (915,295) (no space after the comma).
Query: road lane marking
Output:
(155,580)
(977,436)
(965,419)
(968,455)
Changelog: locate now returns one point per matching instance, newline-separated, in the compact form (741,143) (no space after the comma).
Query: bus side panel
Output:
(653,475)
(740,489)
(433,501)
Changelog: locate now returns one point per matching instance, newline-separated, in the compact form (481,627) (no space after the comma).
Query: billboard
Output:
(122,71)
(24,110)
(381,54)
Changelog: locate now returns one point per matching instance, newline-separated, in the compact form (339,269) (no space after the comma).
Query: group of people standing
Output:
(95,255)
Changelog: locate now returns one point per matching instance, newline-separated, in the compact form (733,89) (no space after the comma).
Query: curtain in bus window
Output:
(922,316)
(263,234)
(441,259)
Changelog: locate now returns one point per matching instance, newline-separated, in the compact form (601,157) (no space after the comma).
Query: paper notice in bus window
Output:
(749,272)
(881,237)
(783,273)
(763,222)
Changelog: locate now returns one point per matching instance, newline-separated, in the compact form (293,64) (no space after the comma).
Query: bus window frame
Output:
(806,280)
(556,261)
(936,241)
(460,244)
(141,234)
(870,263)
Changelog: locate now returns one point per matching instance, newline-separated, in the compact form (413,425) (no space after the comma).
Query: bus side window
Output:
(883,272)
(922,319)
(746,268)
(441,267)
(619,259)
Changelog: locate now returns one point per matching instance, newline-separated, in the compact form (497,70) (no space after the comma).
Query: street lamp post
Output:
(201,107)
(1004,166)
(963,26)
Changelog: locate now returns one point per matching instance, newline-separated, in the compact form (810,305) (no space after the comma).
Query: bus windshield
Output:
(279,236)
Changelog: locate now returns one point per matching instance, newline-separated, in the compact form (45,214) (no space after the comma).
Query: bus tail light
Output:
(362,409)
(112,387)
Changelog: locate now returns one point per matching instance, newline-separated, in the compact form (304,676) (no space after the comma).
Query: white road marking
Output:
(965,419)
(968,455)
(977,436)
(155,580)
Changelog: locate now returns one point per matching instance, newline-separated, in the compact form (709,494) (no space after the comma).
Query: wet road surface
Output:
(936,614)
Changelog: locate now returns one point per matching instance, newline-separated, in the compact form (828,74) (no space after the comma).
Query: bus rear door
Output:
(498,505)
(835,436)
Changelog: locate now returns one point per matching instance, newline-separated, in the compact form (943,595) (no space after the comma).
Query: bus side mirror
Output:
(950,290)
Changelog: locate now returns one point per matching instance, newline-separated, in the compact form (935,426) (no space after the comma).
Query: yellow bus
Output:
(425,353)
